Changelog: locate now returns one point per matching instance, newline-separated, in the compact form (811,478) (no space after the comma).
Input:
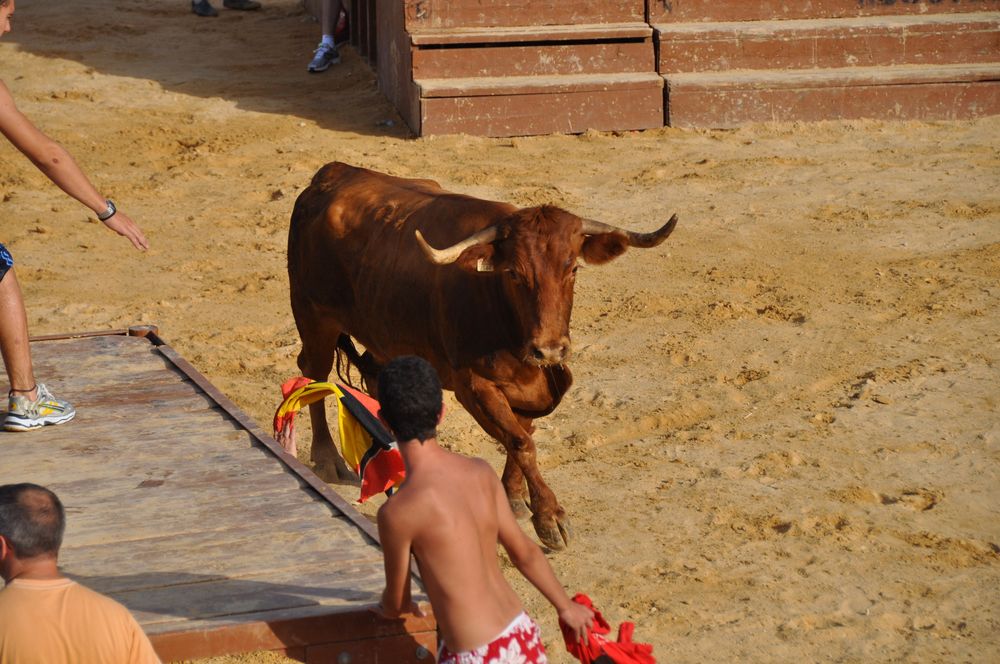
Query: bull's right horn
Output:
(451,254)
(642,240)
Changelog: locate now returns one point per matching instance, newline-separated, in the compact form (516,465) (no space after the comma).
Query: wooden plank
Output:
(139,473)
(281,630)
(428,14)
(531,33)
(805,44)
(155,515)
(768,10)
(731,106)
(254,477)
(520,115)
(203,597)
(536,85)
(533,60)
(846,76)
(214,549)
(394,63)
(303,555)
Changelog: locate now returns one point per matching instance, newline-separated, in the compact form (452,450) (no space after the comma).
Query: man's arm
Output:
(531,562)
(395,541)
(56,163)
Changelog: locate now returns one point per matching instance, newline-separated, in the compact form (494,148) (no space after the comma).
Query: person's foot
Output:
(203,8)
(25,414)
(243,5)
(325,56)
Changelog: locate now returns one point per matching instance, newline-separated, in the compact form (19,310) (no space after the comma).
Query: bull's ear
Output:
(599,249)
(477,259)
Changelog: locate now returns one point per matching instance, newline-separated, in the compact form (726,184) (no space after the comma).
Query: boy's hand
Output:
(123,225)
(382,612)
(578,618)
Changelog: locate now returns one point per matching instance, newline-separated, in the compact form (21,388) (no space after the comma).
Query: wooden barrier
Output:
(729,62)
(516,67)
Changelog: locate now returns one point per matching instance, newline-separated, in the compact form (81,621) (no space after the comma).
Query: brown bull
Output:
(490,309)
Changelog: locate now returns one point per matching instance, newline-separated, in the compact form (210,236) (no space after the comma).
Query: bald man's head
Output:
(32,520)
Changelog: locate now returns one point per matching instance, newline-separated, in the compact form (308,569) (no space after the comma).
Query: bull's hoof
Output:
(331,467)
(345,474)
(554,531)
(520,508)
(326,473)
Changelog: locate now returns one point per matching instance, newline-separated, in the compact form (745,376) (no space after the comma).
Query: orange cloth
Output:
(59,621)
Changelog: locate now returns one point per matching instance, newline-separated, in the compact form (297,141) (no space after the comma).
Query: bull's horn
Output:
(451,254)
(643,240)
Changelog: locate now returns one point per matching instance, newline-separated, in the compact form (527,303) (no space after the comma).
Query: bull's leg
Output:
(513,478)
(315,361)
(490,408)
(513,484)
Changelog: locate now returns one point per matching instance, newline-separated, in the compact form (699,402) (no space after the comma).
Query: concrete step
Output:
(903,92)
(683,11)
(931,39)
(525,105)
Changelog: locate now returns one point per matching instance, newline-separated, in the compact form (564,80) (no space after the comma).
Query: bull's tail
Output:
(346,356)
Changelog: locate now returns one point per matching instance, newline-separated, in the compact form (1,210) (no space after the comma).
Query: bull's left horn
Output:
(451,254)
(642,240)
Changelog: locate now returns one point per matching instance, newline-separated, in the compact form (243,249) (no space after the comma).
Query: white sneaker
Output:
(23,414)
(325,56)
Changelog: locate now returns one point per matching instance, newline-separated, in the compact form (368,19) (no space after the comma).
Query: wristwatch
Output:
(110,212)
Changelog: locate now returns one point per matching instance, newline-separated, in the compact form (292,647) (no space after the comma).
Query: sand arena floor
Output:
(783,439)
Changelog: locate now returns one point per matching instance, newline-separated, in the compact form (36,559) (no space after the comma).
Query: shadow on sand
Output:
(255,59)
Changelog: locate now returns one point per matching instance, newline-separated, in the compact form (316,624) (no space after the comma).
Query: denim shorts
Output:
(6,261)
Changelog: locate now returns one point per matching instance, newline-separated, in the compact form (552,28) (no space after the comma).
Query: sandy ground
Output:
(783,439)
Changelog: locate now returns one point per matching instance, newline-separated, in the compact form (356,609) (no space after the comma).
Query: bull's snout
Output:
(552,353)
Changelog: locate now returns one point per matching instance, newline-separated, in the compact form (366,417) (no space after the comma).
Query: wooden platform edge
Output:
(360,635)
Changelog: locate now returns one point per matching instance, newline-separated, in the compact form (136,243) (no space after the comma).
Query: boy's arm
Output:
(395,541)
(58,165)
(531,562)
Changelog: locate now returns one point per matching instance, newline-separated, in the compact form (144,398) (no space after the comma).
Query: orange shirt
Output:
(58,621)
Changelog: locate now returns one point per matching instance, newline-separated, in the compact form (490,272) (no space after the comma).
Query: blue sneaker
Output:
(325,56)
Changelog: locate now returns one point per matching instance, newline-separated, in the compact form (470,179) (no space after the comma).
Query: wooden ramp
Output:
(182,509)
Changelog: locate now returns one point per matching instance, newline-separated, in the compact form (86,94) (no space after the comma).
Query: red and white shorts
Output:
(520,643)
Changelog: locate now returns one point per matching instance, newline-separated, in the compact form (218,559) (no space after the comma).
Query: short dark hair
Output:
(409,393)
(32,519)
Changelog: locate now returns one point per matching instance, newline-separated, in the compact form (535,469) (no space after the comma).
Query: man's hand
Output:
(578,618)
(122,224)
(413,608)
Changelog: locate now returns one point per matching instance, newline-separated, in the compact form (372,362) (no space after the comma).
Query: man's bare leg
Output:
(14,337)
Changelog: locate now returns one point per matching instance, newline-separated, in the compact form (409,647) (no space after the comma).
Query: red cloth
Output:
(622,651)
(287,388)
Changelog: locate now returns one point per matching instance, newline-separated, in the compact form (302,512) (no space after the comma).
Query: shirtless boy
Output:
(450,513)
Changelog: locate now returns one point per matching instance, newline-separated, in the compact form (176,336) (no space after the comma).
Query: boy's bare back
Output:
(450,513)
(453,509)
